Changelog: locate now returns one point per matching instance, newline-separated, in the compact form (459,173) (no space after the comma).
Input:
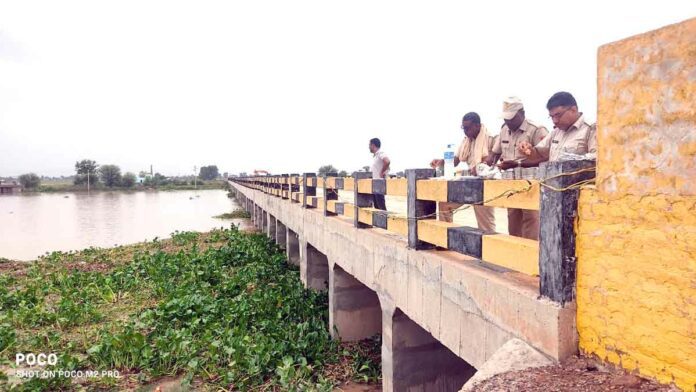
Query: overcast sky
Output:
(286,85)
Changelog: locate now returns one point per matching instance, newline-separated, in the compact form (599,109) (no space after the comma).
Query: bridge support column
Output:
(412,360)
(264,222)
(271,227)
(281,235)
(314,268)
(293,248)
(257,221)
(354,310)
(260,217)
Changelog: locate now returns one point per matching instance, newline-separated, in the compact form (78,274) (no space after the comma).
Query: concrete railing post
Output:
(361,200)
(285,186)
(308,191)
(329,194)
(294,188)
(557,227)
(417,208)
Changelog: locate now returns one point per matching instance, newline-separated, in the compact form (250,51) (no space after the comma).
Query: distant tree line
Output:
(331,169)
(208,172)
(110,176)
(30,180)
(326,169)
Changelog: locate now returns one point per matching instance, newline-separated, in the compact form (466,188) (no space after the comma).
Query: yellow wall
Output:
(636,232)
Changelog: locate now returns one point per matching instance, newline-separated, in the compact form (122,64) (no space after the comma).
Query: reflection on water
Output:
(32,224)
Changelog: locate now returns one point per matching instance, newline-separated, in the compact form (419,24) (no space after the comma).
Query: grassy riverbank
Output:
(68,186)
(223,308)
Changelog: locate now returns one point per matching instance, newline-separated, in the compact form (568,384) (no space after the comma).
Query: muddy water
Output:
(32,224)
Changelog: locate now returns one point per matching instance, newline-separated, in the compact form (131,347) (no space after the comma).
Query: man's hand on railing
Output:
(504,165)
(436,162)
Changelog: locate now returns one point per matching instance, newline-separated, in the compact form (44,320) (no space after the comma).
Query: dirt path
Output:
(580,374)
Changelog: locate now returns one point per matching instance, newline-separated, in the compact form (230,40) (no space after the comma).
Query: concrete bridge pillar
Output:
(314,268)
(271,232)
(281,235)
(354,309)
(412,360)
(293,248)
(264,222)
(259,218)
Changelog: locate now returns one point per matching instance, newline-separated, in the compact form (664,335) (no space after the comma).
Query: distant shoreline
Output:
(58,188)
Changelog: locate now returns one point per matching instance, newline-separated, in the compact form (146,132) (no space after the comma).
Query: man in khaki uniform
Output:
(473,150)
(518,129)
(571,133)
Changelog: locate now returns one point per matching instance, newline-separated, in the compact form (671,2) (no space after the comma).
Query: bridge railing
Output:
(554,193)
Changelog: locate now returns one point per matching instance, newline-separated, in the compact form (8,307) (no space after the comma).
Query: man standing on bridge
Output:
(474,149)
(571,133)
(380,170)
(516,130)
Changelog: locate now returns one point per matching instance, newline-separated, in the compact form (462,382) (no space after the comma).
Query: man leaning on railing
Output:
(572,137)
(473,150)
(518,129)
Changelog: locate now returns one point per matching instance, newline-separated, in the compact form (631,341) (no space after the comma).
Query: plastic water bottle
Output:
(449,161)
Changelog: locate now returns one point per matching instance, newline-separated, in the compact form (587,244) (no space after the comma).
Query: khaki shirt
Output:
(580,138)
(508,141)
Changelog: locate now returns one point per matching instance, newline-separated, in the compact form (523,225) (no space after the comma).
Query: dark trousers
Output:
(379,202)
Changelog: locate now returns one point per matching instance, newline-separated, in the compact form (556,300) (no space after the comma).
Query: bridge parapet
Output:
(554,194)
(438,293)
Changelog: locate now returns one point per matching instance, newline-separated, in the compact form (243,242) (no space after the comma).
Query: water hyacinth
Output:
(224,309)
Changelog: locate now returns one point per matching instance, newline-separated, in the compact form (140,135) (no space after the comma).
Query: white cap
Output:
(511,105)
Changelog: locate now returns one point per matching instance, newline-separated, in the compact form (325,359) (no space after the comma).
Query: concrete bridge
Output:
(447,298)
(444,297)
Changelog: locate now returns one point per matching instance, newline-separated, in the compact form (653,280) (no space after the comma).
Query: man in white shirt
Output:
(379,169)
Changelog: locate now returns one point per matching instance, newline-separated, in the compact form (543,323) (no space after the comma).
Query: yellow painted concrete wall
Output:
(636,232)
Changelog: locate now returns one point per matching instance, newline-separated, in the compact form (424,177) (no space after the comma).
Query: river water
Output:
(33,224)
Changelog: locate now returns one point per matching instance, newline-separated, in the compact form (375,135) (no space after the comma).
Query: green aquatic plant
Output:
(236,214)
(224,308)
